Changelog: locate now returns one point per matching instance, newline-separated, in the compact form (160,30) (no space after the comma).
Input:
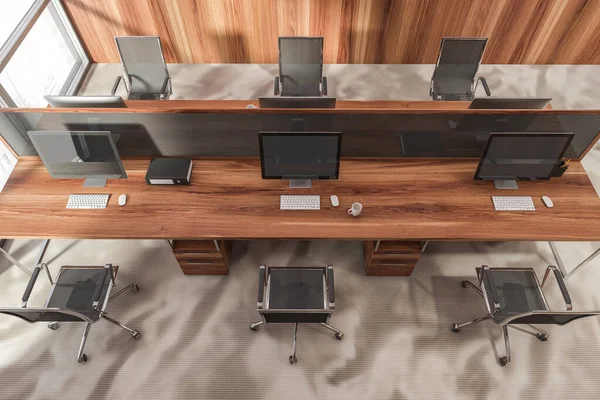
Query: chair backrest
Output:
(143,62)
(549,317)
(459,58)
(33,315)
(300,65)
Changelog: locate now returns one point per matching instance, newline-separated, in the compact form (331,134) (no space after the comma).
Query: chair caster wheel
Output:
(455,328)
(339,336)
(136,335)
(463,284)
(542,337)
(293,360)
(54,326)
(135,288)
(82,359)
(253,328)
(503,361)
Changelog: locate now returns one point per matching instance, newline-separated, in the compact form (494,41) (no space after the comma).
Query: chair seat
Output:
(296,289)
(75,288)
(518,291)
(453,86)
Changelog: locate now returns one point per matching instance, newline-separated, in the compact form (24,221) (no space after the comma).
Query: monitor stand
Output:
(508,184)
(94,183)
(300,183)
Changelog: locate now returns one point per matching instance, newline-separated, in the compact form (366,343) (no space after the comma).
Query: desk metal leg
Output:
(584,262)
(14,261)
(559,261)
(561,265)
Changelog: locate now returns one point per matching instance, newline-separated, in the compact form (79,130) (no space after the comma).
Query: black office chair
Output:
(300,67)
(455,70)
(80,294)
(514,296)
(296,295)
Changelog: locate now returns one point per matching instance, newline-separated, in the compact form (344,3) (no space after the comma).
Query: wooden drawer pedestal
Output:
(391,258)
(203,257)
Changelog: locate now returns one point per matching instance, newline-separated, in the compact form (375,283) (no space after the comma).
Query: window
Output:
(42,55)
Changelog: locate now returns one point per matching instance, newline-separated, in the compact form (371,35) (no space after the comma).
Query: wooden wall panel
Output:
(356,31)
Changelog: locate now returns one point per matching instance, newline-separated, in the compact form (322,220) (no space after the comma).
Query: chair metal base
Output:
(293,359)
(540,334)
(81,356)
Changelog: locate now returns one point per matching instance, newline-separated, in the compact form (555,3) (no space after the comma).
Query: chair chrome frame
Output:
(474,83)
(279,79)
(167,88)
(485,281)
(328,303)
(81,356)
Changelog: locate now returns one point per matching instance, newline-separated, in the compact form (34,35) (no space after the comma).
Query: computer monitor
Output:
(509,156)
(508,103)
(89,155)
(85,101)
(297,102)
(300,156)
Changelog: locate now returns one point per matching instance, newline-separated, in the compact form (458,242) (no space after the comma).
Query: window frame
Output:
(10,47)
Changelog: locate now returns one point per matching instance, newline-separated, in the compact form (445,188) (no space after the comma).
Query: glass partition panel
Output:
(364,135)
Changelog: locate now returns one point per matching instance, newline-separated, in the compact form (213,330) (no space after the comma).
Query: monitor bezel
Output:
(491,137)
(108,134)
(328,102)
(296,133)
(546,101)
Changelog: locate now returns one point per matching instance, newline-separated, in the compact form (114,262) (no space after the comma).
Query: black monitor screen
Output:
(302,155)
(78,154)
(522,155)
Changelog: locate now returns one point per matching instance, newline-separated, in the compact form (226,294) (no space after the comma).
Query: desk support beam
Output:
(561,265)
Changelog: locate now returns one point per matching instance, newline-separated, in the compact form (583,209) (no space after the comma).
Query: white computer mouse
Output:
(334,200)
(122,199)
(547,201)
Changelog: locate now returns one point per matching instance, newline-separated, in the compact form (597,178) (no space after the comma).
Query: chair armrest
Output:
(105,271)
(485,86)
(163,91)
(561,284)
(276,86)
(29,288)
(262,274)
(324,86)
(116,85)
(330,285)
(488,280)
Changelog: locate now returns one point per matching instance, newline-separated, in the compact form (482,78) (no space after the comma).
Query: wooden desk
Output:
(403,199)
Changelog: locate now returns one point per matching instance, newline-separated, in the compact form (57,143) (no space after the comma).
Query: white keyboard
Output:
(513,203)
(299,202)
(87,201)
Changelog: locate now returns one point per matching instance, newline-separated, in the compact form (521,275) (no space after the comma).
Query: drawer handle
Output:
(199,262)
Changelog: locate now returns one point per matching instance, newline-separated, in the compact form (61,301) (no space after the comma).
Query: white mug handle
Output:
(350,211)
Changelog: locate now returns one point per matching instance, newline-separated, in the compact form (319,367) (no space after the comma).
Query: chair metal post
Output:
(293,359)
(457,327)
(506,359)
(133,332)
(254,326)
(81,357)
(132,286)
(338,334)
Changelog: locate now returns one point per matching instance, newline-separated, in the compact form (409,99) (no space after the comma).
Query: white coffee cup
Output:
(355,210)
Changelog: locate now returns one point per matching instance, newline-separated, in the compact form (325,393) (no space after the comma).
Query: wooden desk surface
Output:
(403,199)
